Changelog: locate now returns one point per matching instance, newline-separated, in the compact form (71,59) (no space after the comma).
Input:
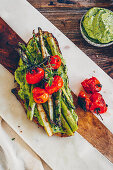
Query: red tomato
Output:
(40,95)
(91,85)
(56,85)
(35,77)
(98,104)
(55,61)
(84,101)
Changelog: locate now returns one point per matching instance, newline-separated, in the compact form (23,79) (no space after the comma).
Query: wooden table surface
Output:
(66,15)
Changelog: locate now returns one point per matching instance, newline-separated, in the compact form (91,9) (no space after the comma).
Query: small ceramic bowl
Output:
(90,40)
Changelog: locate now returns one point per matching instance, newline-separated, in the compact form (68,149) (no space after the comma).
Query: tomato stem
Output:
(97,112)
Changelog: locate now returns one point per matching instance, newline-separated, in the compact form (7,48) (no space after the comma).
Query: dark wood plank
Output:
(8,43)
(70,4)
(89,125)
(66,16)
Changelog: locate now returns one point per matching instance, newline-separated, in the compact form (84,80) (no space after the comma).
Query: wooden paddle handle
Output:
(94,131)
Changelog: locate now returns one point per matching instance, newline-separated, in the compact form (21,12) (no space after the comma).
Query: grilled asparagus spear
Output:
(68,116)
(44,54)
(45,121)
(57,107)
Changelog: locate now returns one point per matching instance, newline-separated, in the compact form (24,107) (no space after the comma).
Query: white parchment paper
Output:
(14,153)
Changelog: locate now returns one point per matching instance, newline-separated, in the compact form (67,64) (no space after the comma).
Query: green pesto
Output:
(25,91)
(98,24)
(36,114)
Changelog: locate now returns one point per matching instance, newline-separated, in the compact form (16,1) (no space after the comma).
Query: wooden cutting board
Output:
(89,125)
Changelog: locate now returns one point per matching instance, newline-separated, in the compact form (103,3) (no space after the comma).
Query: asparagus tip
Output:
(39,29)
(33,32)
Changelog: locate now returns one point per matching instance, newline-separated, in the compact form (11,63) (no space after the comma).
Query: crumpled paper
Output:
(15,154)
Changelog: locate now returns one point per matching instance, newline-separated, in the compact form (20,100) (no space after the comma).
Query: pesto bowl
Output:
(91,40)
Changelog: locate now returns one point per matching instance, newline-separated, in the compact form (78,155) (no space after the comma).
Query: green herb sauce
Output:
(98,24)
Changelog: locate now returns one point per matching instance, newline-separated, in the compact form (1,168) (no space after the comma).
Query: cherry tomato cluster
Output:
(95,103)
(35,76)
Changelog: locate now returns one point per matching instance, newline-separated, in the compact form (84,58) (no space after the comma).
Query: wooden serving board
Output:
(89,125)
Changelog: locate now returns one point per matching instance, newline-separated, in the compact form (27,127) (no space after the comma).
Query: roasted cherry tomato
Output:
(84,101)
(40,95)
(55,61)
(56,85)
(91,85)
(98,104)
(35,76)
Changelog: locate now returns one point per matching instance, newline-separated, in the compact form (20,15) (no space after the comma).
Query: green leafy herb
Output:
(49,74)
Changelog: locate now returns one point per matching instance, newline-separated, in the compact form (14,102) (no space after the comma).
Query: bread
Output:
(15,90)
